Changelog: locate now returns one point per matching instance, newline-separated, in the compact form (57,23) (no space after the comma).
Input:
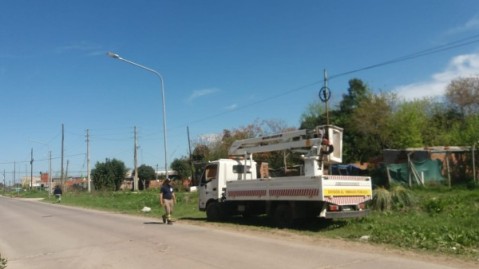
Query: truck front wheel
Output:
(213,212)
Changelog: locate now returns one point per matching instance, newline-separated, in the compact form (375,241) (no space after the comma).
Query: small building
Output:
(419,166)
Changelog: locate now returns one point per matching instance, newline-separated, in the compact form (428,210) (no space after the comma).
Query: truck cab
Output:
(215,175)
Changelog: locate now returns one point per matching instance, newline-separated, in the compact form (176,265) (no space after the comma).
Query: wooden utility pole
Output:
(66,171)
(325,74)
(50,173)
(88,159)
(31,169)
(61,170)
(193,178)
(135,177)
(14,173)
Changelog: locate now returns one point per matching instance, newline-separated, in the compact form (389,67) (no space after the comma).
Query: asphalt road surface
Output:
(41,235)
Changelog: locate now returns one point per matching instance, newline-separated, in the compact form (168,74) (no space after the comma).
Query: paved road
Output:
(41,235)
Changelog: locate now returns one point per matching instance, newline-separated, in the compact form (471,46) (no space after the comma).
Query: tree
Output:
(217,146)
(145,174)
(357,92)
(369,129)
(468,134)
(182,167)
(313,116)
(200,153)
(464,94)
(353,141)
(408,123)
(443,121)
(108,175)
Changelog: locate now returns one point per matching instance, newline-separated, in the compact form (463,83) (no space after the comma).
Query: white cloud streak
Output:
(200,93)
(471,25)
(231,107)
(88,48)
(460,66)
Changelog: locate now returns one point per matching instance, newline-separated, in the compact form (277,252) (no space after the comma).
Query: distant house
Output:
(34,182)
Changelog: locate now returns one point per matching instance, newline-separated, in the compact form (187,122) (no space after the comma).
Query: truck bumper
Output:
(346,214)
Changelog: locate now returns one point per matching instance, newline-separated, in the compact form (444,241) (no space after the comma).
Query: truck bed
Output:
(341,190)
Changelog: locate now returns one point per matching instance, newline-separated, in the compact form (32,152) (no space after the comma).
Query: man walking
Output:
(58,193)
(167,200)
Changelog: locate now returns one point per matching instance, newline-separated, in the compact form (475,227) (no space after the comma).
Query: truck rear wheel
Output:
(283,216)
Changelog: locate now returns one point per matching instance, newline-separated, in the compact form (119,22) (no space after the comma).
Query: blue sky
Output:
(225,64)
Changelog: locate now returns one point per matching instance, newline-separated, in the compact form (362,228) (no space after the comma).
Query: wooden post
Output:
(448,170)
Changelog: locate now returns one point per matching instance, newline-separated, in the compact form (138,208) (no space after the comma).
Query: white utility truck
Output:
(232,187)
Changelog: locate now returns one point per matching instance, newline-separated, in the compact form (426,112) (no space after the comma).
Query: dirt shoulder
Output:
(361,246)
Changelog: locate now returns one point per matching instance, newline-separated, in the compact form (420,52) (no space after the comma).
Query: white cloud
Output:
(83,46)
(200,93)
(471,25)
(231,107)
(460,66)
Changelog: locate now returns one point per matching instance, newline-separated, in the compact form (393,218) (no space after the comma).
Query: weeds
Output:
(382,200)
(397,198)
(3,262)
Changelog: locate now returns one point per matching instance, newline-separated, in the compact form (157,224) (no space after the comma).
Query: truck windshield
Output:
(209,173)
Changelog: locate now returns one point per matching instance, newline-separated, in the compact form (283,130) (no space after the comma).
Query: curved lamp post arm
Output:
(118,57)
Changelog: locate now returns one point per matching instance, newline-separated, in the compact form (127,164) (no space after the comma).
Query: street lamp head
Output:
(113,55)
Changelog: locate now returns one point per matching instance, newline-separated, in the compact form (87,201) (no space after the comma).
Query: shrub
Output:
(401,197)
(382,199)
(434,206)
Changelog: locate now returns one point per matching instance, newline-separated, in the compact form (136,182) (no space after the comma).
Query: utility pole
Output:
(327,99)
(88,158)
(50,173)
(14,172)
(135,177)
(61,170)
(66,171)
(4,183)
(193,178)
(31,170)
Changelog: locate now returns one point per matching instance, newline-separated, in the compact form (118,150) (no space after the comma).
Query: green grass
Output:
(433,220)
(133,202)
(441,221)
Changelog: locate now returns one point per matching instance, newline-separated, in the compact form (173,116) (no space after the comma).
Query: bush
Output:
(401,197)
(471,185)
(434,206)
(382,199)
(397,198)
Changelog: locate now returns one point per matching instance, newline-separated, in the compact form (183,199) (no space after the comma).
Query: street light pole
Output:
(116,56)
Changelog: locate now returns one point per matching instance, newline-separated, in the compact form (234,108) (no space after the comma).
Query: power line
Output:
(444,47)
(452,45)
(255,103)
(42,160)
